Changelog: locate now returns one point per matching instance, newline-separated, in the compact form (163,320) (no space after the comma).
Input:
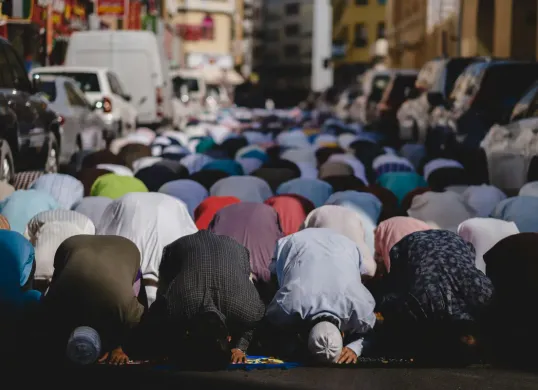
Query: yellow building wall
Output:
(222,42)
(370,15)
(500,28)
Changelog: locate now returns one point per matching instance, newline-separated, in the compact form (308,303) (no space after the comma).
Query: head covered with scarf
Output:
(256,227)
(389,232)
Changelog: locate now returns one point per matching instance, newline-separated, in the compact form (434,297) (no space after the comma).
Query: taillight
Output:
(61,120)
(107,105)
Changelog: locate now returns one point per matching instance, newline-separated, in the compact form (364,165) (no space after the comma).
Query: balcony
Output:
(212,6)
(195,33)
(248,26)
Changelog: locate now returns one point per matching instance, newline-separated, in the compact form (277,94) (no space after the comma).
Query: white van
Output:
(139,62)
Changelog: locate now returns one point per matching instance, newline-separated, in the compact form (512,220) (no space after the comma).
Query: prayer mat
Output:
(132,362)
(263,363)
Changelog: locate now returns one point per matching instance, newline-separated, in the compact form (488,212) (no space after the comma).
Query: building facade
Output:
(287,37)
(39,30)
(246,59)
(418,30)
(500,28)
(207,30)
(258,42)
(358,29)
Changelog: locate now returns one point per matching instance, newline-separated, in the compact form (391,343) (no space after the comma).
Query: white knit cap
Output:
(325,342)
(84,346)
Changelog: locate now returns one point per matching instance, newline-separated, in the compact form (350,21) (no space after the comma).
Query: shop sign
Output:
(149,23)
(58,6)
(135,9)
(43,3)
(110,7)
(195,32)
(78,24)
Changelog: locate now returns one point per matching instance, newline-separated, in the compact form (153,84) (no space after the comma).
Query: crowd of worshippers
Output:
(205,246)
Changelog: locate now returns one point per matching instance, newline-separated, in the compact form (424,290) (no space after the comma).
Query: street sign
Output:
(111,7)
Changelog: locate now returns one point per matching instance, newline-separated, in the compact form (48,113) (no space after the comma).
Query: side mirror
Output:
(127,97)
(435,99)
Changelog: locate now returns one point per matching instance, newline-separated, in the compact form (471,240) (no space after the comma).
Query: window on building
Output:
(380,30)
(258,52)
(291,50)
(345,34)
(272,35)
(382,2)
(361,2)
(292,9)
(292,30)
(270,58)
(361,35)
(272,17)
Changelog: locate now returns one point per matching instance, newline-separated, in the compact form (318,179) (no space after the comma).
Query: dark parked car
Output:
(485,94)
(401,87)
(30,132)
(436,78)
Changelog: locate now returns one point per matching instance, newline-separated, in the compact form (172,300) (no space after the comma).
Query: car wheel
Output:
(52,155)
(7,170)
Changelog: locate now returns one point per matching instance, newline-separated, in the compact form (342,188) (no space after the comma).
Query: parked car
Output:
(30,132)
(189,89)
(436,77)
(345,100)
(373,84)
(83,128)
(104,90)
(400,88)
(485,95)
(510,147)
(139,61)
(217,96)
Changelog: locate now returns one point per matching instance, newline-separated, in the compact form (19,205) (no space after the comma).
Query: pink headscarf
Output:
(389,232)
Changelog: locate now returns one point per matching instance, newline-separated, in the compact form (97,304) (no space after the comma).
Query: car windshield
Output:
(401,85)
(49,89)
(454,68)
(503,85)
(213,90)
(190,83)
(87,82)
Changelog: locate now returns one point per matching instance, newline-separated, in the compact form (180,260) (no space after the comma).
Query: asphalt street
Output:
(136,377)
